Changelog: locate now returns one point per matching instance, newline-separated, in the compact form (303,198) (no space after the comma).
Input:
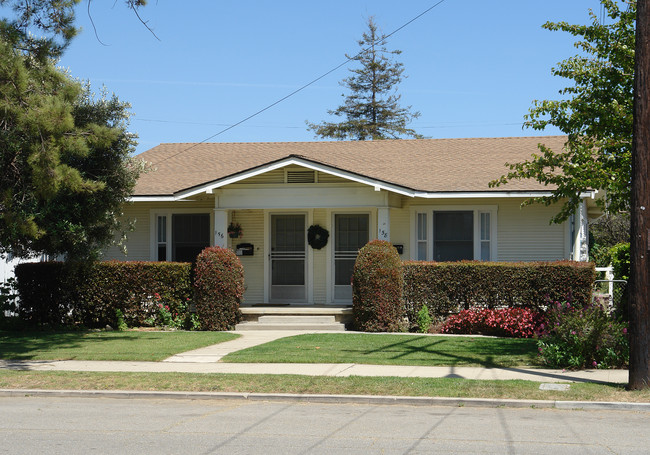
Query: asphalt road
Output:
(30,425)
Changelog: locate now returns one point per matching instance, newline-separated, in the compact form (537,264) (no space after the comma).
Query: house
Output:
(429,197)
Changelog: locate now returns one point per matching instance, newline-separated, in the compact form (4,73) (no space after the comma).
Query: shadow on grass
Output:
(486,352)
(29,345)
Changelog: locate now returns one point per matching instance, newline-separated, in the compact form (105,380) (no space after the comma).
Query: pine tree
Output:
(64,154)
(372,109)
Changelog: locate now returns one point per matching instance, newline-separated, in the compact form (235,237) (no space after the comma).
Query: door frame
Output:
(309,260)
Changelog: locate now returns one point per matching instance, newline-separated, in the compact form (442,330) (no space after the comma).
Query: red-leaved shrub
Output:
(504,322)
(218,288)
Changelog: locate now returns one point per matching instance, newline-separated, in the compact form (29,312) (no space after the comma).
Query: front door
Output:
(288,259)
(351,233)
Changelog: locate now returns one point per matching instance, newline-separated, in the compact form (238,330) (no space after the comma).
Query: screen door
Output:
(288,258)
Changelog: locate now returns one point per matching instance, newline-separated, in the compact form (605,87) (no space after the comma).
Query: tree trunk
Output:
(639,295)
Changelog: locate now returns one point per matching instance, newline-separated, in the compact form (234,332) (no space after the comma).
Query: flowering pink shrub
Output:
(582,336)
(504,322)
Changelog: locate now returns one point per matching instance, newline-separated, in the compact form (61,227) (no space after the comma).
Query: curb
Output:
(332,399)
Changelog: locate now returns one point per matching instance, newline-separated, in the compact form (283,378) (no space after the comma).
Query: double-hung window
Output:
(179,237)
(455,233)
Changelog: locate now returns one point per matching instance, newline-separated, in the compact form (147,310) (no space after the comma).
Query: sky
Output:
(473,68)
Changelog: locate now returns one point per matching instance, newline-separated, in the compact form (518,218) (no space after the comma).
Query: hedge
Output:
(449,287)
(59,294)
(377,284)
(218,288)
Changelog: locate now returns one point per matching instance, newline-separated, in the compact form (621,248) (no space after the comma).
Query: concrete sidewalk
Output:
(207,360)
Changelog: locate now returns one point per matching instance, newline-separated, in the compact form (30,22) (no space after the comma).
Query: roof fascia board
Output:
(495,194)
(151,199)
(460,195)
(207,188)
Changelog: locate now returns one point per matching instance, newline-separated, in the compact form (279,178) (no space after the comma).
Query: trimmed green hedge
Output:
(377,284)
(218,288)
(59,294)
(449,287)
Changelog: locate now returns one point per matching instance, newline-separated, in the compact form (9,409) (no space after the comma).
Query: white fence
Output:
(608,290)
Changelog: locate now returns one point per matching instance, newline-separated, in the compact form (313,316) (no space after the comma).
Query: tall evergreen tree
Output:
(372,109)
(65,155)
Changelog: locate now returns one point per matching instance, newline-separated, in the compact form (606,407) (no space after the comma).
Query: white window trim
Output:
(476,209)
(153,228)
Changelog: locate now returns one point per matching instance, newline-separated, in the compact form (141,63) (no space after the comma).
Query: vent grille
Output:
(301,176)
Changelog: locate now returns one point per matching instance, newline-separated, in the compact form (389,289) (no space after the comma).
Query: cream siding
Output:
(137,243)
(275,176)
(400,230)
(252,223)
(525,234)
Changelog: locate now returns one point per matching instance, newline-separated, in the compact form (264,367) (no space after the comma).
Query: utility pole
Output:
(639,295)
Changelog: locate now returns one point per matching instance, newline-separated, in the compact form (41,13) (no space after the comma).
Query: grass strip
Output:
(387,349)
(354,385)
(128,345)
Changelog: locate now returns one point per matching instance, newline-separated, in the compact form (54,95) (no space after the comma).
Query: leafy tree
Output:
(605,232)
(595,114)
(372,110)
(65,160)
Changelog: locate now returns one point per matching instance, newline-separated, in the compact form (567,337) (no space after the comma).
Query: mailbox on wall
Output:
(245,249)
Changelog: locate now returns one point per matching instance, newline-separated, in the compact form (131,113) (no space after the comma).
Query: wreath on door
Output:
(317,236)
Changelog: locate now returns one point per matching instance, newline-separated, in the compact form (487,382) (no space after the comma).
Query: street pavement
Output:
(54,425)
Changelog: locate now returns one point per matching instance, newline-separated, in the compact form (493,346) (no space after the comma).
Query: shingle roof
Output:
(426,165)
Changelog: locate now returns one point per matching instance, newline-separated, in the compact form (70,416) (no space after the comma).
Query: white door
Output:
(288,259)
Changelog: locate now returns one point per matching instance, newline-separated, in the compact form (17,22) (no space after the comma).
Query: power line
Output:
(459,124)
(304,86)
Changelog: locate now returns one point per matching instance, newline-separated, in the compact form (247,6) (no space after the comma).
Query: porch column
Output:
(581,246)
(221,228)
(383,224)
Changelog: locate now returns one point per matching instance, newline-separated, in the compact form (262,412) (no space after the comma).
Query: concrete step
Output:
(296,319)
(292,322)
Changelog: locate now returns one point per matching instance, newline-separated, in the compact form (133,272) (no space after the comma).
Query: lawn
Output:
(388,349)
(354,385)
(127,345)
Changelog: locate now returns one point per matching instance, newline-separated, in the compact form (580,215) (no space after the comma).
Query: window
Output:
(453,236)
(190,235)
(422,244)
(485,236)
(179,237)
(162,238)
(454,233)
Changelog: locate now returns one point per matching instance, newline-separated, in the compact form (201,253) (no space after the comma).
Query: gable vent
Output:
(301,176)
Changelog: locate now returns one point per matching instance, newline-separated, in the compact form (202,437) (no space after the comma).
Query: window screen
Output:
(190,235)
(453,235)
